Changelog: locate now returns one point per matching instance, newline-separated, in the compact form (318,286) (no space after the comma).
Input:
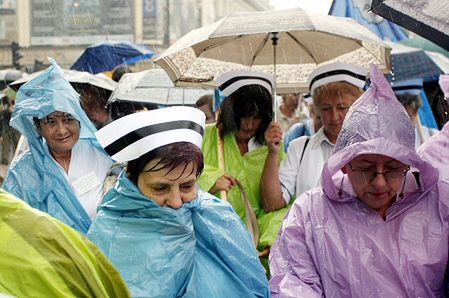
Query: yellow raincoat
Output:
(248,170)
(42,257)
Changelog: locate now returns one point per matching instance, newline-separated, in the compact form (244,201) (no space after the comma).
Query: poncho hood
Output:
(43,95)
(35,176)
(376,123)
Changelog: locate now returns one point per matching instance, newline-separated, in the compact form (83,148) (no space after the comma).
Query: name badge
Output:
(86,183)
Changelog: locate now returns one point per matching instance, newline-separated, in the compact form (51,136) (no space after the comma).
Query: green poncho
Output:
(248,170)
(42,257)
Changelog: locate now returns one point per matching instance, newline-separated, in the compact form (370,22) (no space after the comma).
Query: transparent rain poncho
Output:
(248,170)
(34,176)
(436,149)
(332,244)
(42,257)
(199,250)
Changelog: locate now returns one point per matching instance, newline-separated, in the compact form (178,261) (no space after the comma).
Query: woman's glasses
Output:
(371,173)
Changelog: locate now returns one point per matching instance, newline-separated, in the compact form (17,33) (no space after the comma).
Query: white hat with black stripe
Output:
(136,134)
(412,86)
(231,81)
(336,72)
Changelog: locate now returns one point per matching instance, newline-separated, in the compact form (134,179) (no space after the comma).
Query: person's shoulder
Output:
(298,142)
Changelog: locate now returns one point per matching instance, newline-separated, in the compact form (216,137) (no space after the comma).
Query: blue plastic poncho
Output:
(199,250)
(35,176)
(331,244)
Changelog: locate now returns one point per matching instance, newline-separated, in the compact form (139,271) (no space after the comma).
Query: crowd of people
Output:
(345,195)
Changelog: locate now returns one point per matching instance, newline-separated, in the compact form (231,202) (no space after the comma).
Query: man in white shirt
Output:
(334,88)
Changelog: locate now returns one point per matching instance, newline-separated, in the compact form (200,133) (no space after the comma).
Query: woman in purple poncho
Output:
(378,226)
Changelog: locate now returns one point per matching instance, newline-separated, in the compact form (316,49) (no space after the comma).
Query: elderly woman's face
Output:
(332,110)
(168,187)
(60,130)
(376,180)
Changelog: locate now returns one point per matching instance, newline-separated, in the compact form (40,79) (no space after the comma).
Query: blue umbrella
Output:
(105,56)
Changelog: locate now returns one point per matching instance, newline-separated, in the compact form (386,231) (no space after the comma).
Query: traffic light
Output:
(16,56)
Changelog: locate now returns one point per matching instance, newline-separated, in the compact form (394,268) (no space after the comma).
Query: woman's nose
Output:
(175,200)
(61,128)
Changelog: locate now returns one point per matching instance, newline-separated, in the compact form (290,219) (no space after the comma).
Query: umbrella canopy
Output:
(9,75)
(154,86)
(428,18)
(74,77)
(425,44)
(105,56)
(411,63)
(244,41)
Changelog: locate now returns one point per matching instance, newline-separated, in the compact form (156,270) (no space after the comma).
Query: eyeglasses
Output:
(370,174)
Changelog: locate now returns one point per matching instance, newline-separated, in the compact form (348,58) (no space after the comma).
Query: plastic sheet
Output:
(42,257)
(248,170)
(332,244)
(199,250)
(34,176)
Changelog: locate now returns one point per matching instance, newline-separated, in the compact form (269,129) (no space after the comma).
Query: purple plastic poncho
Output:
(436,149)
(332,244)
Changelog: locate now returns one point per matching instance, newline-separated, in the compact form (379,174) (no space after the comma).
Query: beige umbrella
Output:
(249,41)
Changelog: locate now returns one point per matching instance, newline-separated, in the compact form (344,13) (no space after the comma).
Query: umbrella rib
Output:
(302,46)
(221,43)
(259,49)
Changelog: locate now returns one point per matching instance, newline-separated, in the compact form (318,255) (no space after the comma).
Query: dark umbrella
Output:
(428,18)
(412,63)
(106,56)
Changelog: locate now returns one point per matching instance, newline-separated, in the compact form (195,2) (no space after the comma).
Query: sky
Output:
(318,6)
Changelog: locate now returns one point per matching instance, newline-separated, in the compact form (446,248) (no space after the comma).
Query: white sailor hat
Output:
(134,135)
(231,81)
(336,72)
(412,86)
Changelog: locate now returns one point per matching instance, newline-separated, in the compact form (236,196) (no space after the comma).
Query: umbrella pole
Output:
(274,39)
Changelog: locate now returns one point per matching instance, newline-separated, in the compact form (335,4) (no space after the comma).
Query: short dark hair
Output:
(410,100)
(247,101)
(119,71)
(171,156)
(119,108)
(206,99)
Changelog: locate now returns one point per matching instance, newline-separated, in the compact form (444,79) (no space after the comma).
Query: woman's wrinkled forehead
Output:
(374,159)
(56,114)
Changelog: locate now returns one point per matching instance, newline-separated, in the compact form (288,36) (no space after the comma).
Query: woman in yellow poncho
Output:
(234,148)
(42,257)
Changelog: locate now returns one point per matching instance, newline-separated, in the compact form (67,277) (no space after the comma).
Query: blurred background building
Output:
(63,28)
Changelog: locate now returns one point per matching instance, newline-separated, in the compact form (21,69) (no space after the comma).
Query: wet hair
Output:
(119,71)
(91,96)
(410,100)
(171,156)
(119,109)
(206,99)
(336,88)
(247,101)
(37,121)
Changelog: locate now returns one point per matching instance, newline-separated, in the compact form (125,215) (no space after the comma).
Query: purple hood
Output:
(333,245)
(376,123)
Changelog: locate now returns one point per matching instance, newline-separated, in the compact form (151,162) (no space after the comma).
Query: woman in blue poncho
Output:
(166,236)
(63,172)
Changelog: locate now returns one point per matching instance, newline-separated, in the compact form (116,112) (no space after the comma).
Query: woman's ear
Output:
(344,169)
